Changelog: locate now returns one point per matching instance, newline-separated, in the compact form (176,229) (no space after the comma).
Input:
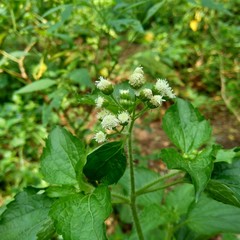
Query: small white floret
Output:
(109,122)
(100,137)
(162,86)
(156,100)
(124,117)
(99,101)
(147,93)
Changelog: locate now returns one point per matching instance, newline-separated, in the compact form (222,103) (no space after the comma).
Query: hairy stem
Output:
(160,187)
(132,182)
(120,197)
(157,181)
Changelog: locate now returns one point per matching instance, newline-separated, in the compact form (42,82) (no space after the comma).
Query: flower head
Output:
(104,85)
(100,137)
(124,117)
(110,121)
(162,87)
(156,101)
(146,94)
(137,79)
(99,101)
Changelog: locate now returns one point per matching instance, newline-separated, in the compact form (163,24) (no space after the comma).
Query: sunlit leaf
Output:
(36,86)
(27,216)
(63,157)
(185,127)
(81,216)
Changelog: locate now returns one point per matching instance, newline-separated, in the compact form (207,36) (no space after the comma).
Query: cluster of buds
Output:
(110,121)
(153,97)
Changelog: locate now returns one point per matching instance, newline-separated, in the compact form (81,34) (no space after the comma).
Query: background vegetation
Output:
(51,52)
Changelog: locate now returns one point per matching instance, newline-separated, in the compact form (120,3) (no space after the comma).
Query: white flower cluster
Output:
(110,121)
(163,88)
(153,97)
(136,80)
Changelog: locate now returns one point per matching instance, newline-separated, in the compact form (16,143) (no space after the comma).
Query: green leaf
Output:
(36,86)
(199,168)
(223,193)
(27,216)
(153,10)
(106,164)
(225,184)
(179,199)
(225,155)
(185,127)
(60,191)
(63,158)
(82,77)
(122,24)
(215,6)
(79,216)
(229,236)
(209,217)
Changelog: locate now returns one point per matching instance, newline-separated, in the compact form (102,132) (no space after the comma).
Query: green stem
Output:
(160,187)
(166,176)
(123,198)
(169,232)
(141,112)
(132,181)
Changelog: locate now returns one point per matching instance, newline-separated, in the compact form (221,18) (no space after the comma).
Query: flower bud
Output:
(124,94)
(99,101)
(145,94)
(136,80)
(126,104)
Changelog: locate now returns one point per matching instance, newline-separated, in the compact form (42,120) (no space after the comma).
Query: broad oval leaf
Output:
(63,157)
(199,168)
(106,164)
(36,86)
(185,127)
(27,217)
(79,216)
(209,217)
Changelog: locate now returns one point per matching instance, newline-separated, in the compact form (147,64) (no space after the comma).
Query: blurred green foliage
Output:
(192,43)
